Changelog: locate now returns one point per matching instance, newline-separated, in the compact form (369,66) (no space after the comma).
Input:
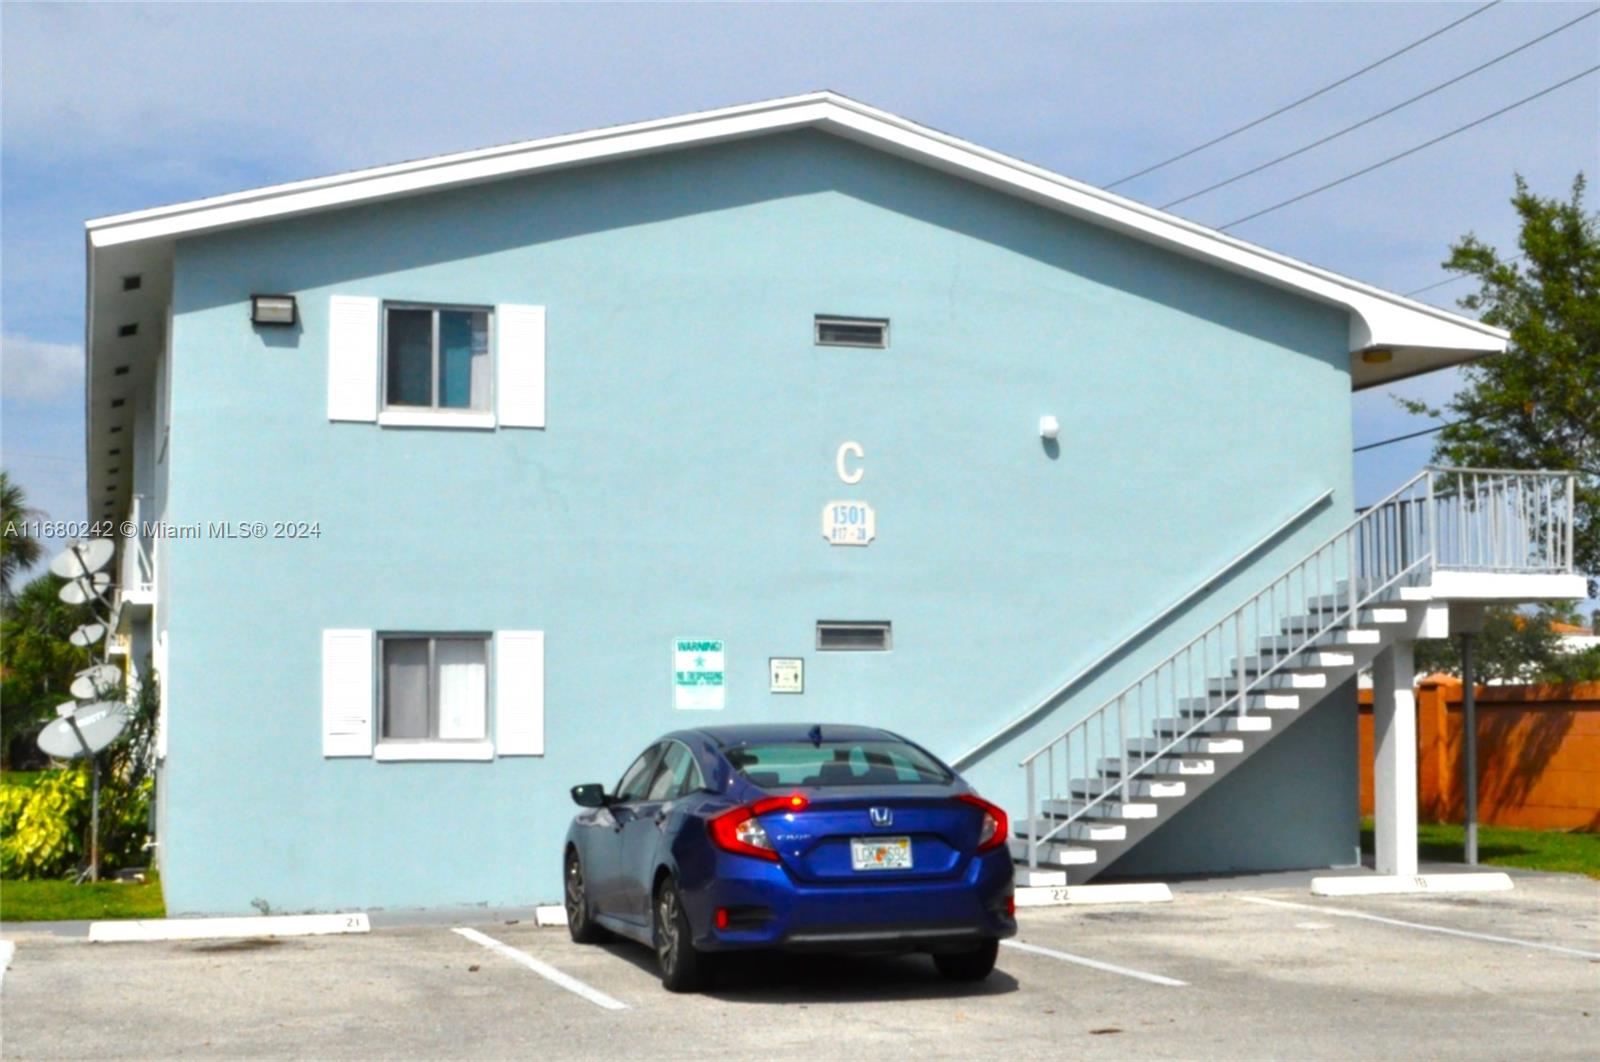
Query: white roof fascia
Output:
(1378,318)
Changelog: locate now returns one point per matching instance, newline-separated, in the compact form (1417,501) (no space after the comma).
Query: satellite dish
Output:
(83,557)
(100,724)
(87,635)
(94,682)
(82,591)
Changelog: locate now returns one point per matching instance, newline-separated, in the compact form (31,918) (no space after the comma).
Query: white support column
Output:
(1394,743)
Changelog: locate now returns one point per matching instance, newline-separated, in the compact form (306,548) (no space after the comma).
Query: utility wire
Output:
(1384,113)
(1454,279)
(1403,438)
(1304,99)
(1409,151)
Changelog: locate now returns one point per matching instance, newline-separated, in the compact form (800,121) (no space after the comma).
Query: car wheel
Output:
(971,965)
(683,967)
(580,923)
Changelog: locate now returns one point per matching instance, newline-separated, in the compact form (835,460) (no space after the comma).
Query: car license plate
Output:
(880,853)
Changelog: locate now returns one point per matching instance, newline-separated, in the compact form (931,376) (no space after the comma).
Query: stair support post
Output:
(1394,733)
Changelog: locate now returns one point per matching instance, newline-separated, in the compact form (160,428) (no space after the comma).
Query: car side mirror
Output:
(589,795)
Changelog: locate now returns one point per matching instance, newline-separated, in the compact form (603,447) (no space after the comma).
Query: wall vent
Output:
(852,331)
(854,635)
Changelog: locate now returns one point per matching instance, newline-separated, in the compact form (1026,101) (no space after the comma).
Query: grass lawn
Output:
(51,901)
(1573,853)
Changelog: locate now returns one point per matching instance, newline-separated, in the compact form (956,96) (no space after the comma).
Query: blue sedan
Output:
(792,837)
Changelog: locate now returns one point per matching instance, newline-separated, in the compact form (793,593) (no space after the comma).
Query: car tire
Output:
(575,893)
(684,968)
(973,965)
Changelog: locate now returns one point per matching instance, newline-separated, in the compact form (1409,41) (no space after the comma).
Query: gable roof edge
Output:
(1378,318)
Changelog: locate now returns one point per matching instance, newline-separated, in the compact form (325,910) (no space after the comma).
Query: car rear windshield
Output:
(836,763)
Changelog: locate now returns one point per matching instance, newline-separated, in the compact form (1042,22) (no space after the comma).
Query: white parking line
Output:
(1491,938)
(7,950)
(544,970)
(1095,964)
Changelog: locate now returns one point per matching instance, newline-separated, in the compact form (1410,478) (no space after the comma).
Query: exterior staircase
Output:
(1124,769)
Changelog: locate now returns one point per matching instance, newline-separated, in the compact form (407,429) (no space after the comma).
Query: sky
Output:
(110,108)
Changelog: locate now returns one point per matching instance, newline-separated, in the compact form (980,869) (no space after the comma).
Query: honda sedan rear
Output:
(794,838)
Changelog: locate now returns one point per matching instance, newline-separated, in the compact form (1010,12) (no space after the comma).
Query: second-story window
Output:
(436,357)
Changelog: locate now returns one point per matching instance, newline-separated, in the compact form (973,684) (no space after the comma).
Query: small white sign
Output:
(849,523)
(697,674)
(788,674)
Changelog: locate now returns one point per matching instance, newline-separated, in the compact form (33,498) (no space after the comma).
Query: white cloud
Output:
(32,370)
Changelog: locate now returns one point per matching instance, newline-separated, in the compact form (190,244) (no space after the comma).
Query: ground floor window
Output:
(435,688)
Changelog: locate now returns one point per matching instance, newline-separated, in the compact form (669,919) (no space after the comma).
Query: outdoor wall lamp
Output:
(276,310)
(1049,427)
(1377,356)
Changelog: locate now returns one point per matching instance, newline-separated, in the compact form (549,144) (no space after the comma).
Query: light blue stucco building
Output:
(415,563)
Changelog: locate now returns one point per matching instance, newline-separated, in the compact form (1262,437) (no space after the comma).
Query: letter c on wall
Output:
(849,475)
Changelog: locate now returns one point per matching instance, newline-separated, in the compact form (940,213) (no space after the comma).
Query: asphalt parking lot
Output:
(1216,973)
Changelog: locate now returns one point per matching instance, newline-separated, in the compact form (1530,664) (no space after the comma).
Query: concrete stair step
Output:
(1283,680)
(1161,766)
(1227,723)
(1312,658)
(1061,855)
(1369,617)
(1149,788)
(1269,701)
(1199,745)
(1090,832)
(1336,638)
(1106,809)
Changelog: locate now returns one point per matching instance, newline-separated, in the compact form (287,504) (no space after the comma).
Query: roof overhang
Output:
(1391,337)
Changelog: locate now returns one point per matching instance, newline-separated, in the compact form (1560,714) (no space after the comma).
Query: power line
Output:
(1382,114)
(1304,99)
(1403,438)
(1454,279)
(1409,151)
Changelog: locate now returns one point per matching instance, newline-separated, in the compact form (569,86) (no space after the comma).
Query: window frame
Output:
(652,754)
(433,741)
(389,413)
(695,774)
(821,319)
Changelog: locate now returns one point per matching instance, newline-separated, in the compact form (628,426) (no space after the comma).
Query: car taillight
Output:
(739,831)
(992,834)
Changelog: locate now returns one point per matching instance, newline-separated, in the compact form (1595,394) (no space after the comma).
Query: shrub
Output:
(42,825)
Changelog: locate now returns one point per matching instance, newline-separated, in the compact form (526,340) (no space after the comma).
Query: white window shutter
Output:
(519,693)
(519,350)
(346,693)
(353,357)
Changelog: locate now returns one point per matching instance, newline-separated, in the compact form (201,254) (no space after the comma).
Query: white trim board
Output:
(1383,884)
(1380,318)
(221,928)
(1078,895)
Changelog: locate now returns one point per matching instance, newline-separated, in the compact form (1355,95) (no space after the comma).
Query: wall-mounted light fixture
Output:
(1049,427)
(1377,356)
(278,310)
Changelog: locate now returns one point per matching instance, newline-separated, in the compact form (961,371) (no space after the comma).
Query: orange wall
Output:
(1538,754)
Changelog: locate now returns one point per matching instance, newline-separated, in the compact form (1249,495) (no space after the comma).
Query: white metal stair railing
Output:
(1443,518)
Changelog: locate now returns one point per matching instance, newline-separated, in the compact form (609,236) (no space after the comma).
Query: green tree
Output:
(37,663)
(19,551)
(1515,647)
(1538,405)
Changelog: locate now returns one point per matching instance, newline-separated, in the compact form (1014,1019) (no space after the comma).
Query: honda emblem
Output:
(881,816)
